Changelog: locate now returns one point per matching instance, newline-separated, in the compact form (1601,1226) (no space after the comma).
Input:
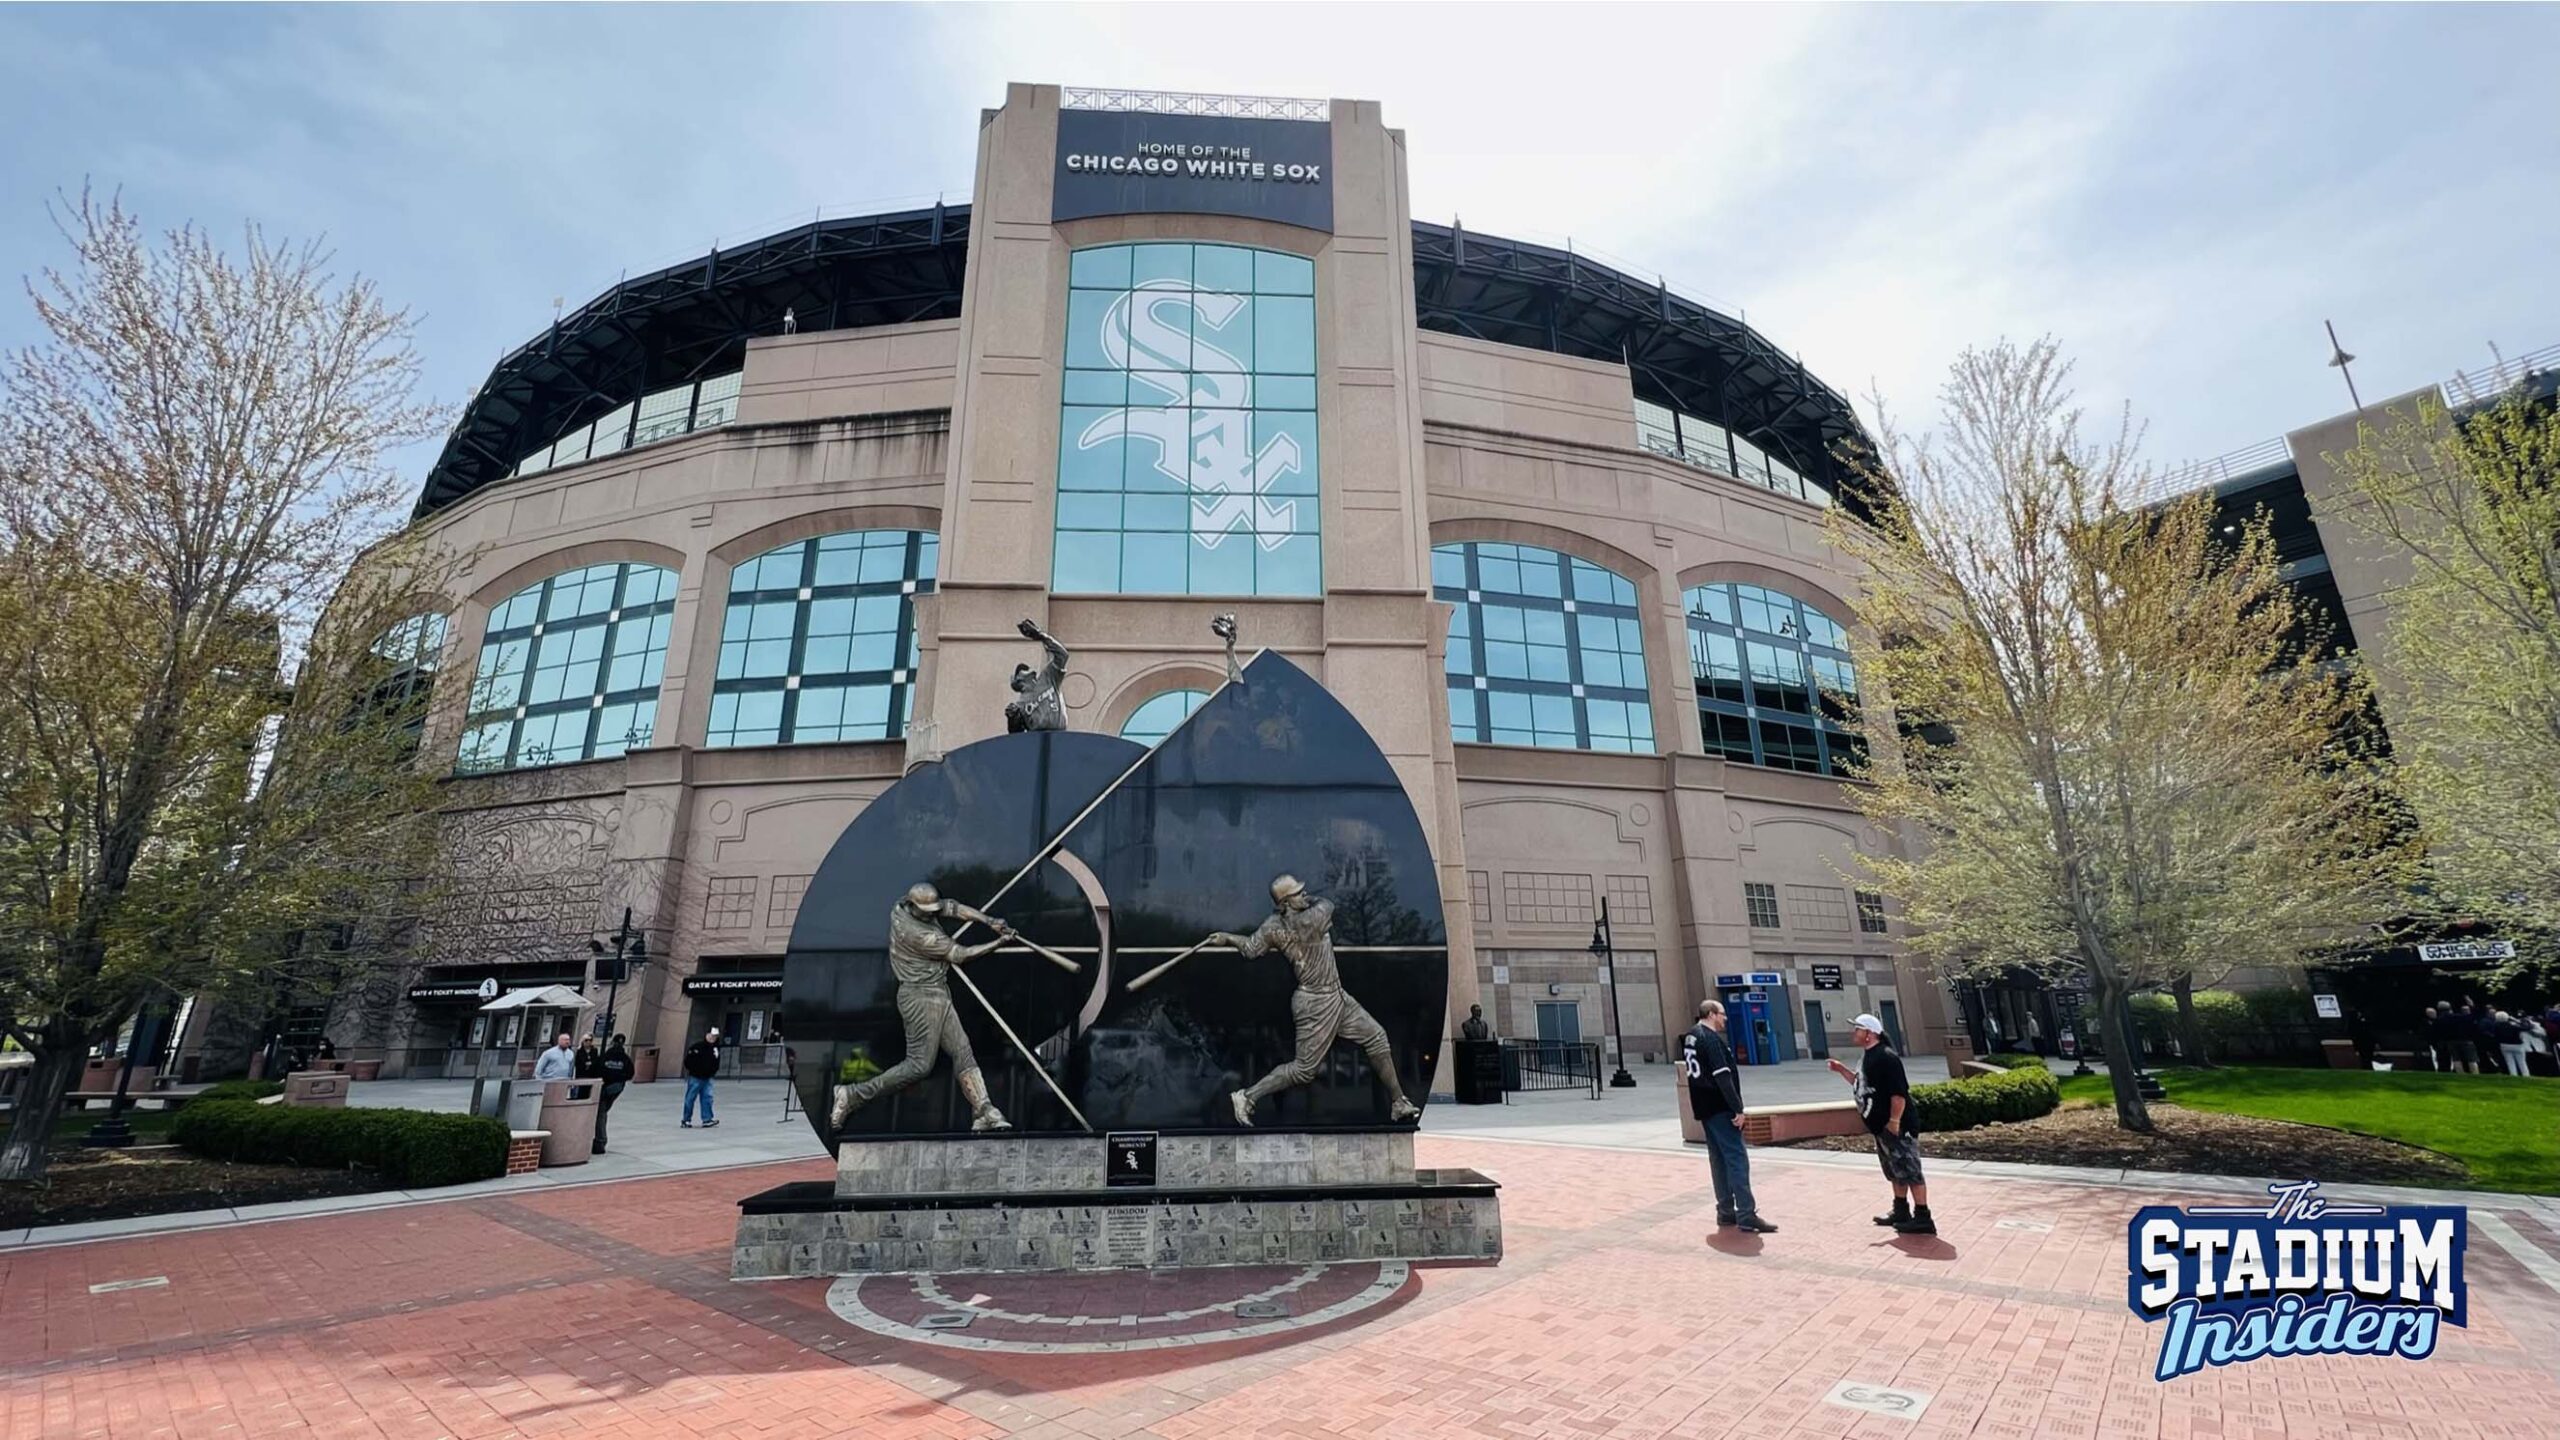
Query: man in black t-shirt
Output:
(1715,1094)
(1883,1092)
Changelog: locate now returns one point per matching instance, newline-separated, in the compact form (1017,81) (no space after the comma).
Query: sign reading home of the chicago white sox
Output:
(1113,162)
(2442,952)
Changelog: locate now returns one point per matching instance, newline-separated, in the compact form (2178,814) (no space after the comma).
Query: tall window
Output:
(1762,903)
(1544,649)
(405,682)
(569,669)
(1775,686)
(1187,437)
(820,640)
(1155,719)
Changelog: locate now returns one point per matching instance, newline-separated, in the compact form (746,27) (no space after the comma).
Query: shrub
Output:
(407,1147)
(238,1090)
(2019,1094)
(2014,1062)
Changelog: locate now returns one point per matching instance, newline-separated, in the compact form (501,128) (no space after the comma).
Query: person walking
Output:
(1883,1091)
(614,1068)
(559,1062)
(701,1065)
(2509,1037)
(1715,1095)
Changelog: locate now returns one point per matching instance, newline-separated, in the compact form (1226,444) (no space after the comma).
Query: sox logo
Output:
(1202,434)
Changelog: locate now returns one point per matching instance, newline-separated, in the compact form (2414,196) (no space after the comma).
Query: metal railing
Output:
(1169,102)
(1529,1066)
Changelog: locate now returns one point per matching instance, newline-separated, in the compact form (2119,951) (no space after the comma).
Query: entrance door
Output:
(1892,1019)
(1817,1044)
(1559,1026)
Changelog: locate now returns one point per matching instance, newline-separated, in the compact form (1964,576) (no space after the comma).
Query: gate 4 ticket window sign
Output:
(1113,162)
(1826,977)
(2296,1276)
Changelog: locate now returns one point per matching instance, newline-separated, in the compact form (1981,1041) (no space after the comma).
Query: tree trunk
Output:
(2124,1055)
(39,1106)
(2190,1031)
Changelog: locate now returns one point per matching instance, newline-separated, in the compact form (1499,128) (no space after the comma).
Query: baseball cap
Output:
(1868,1022)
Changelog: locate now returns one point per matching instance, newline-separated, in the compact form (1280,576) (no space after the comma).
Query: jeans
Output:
(696,1086)
(2514,1056)
(1729,1162)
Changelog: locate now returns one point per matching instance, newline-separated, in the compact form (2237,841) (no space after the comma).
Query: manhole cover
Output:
(1878,1399)
(1262,1310)
(947,1320)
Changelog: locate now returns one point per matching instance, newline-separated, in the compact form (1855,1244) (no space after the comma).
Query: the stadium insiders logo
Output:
(1202,432)
(2296,1276)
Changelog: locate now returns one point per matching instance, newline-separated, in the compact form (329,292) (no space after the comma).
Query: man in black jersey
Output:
(1715,1093)
(1883,1092)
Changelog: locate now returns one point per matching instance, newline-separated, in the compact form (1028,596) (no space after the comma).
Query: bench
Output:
(1772,1124)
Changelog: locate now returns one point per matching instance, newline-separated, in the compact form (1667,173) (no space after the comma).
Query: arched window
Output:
(1775,686)
(1187,434)
(405,679)
(819,642)
(569,669)
(1155,719)
(1544,649)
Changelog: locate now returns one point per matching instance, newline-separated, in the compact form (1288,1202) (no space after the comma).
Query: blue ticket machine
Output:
(1756,1018)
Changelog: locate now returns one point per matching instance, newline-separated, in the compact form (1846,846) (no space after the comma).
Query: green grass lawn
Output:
(150,1127)
(2506,1130)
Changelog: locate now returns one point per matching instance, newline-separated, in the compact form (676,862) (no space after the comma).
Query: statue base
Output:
(1091,1202)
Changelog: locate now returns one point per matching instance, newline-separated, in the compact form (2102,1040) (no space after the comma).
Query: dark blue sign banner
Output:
(1113,162)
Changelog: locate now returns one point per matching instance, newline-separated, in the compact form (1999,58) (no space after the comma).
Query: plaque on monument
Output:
(1129,1158)
(1128,1237)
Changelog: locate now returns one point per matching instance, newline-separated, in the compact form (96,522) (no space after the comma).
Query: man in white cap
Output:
(1883,1091)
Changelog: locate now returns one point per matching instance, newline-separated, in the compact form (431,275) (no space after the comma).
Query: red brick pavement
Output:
(1619,1311)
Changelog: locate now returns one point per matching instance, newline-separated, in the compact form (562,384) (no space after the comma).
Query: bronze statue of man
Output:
(1301,927)
(921,955)
(1035,705)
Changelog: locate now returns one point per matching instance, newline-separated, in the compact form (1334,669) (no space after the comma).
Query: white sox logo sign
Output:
(1203,435)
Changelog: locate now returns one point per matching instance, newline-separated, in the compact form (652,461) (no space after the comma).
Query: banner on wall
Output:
(1115,162)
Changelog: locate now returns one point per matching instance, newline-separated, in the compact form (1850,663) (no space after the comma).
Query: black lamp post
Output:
(630,952)
(1606,952)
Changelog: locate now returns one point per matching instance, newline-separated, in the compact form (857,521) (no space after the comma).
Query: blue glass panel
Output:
(1277,274)
(1284,448)
(1088,562)
(1154,564)
(1104,267)
(1160,262)
(1284,335)
(1222,267)
(1293,567)
(1088,457)
(1097,387)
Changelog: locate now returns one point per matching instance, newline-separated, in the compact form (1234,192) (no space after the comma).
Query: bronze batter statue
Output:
(1035,705)
(921,955)
(1301,927)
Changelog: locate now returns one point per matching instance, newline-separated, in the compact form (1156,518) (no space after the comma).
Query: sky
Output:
(2180,195)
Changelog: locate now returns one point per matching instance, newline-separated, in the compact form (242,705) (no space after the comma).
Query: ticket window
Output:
(1749,1026)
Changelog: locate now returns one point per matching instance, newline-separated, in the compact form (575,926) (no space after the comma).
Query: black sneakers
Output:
(1901,1212)
(1918,1222)
(1757,1226)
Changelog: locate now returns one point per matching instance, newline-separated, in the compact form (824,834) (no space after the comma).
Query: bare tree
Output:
(197,771)
(2120,757)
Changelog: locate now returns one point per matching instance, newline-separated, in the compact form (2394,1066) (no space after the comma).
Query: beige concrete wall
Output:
(2366,570)
(883,370)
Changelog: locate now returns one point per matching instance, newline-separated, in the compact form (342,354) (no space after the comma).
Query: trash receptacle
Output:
(569,1113)
(523,1104)
(644,1065)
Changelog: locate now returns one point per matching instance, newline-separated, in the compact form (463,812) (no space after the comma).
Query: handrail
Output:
(1172,102)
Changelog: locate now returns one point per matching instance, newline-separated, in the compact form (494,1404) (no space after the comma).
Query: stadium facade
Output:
(752,537)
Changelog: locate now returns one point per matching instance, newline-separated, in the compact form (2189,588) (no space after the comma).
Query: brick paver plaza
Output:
(1619,1311)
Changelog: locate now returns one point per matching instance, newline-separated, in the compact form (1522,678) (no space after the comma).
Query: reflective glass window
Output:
(1544,649)
(1187,457)
(1155,719)
(569,669)
(1775,683)
(819,640)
